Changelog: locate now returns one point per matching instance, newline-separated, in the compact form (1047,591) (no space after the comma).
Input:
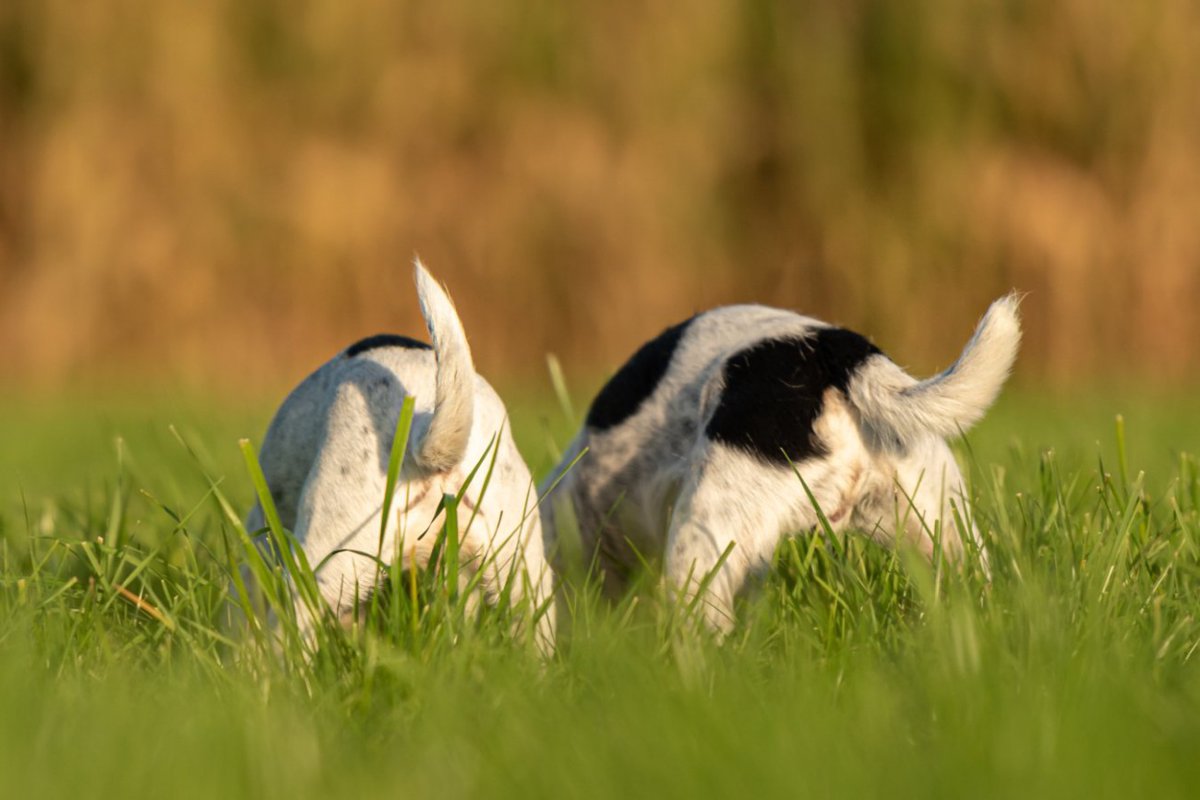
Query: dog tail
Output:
(902,408)
(443,444)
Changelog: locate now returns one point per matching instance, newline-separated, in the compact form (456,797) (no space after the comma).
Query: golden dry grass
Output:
(215,189)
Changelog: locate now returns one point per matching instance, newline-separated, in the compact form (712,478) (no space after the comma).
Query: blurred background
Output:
(225,192)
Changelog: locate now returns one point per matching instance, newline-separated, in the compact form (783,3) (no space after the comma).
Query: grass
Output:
(824,157)
(855,671)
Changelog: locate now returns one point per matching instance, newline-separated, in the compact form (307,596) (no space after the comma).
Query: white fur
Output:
(895,403)
(326,452)
(656,486)
(444,442)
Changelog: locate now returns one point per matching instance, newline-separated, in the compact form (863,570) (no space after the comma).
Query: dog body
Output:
(713,434)
(325,457)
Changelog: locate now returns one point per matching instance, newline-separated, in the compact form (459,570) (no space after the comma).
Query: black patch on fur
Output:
(636,380)
(773,393)
(384,340)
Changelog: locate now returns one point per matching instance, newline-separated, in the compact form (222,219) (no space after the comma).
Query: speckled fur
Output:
(656,487)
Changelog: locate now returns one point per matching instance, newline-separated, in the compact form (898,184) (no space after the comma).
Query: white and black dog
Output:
(326,453)
(701,439)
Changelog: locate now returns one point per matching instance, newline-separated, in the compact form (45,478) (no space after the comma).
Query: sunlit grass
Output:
(854,670)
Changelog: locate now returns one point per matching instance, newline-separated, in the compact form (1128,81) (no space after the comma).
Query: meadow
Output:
(855,671)
(211,197)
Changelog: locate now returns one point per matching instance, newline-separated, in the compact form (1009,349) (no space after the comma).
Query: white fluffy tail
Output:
(902,408)
(443,444)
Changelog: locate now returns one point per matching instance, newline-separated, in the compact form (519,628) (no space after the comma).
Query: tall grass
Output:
(855,670)
(177,181)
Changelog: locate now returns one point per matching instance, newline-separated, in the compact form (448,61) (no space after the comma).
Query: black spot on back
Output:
(636,380)
(773,393)
(384,340)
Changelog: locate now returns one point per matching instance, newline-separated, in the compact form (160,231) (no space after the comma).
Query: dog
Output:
(746,423)
(325,457)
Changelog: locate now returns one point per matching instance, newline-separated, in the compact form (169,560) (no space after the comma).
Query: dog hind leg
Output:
(722,533)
